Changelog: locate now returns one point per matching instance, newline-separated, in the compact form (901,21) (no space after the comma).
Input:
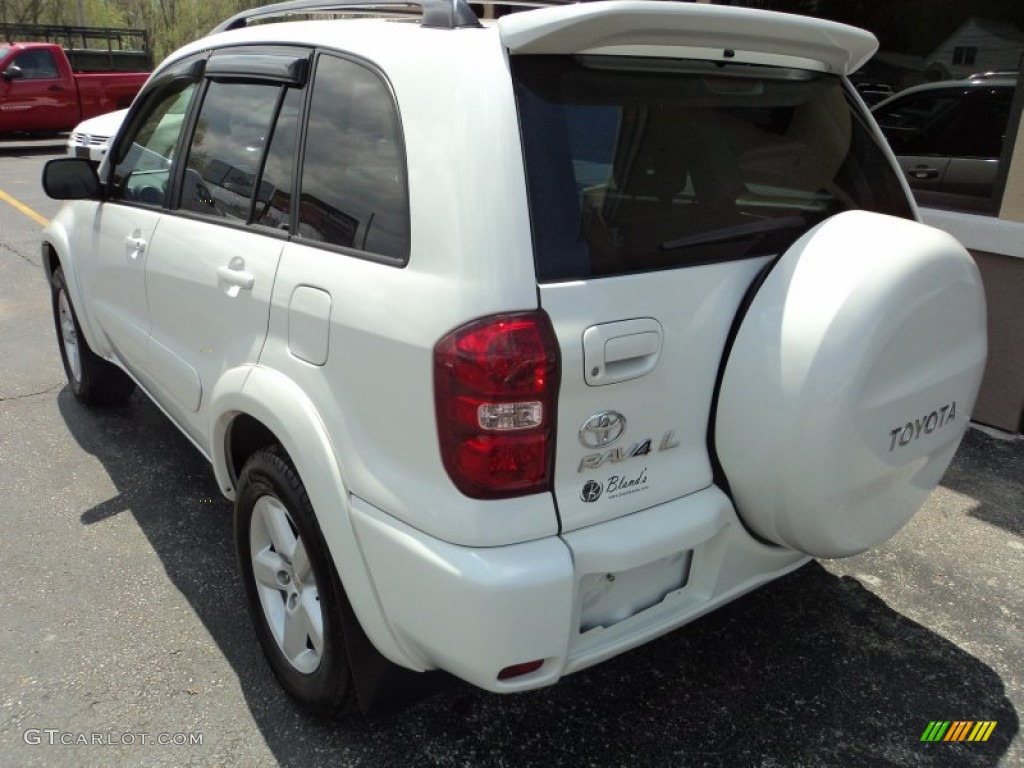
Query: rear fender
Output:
(282,406)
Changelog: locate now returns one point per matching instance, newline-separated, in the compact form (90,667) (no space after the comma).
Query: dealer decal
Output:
(614,487)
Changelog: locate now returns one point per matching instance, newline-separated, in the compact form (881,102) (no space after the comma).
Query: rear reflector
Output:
(495,382)
(518,670)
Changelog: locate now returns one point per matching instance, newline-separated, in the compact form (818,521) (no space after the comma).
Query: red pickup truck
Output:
(61,76)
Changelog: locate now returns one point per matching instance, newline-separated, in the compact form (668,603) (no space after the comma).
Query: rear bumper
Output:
(571,600)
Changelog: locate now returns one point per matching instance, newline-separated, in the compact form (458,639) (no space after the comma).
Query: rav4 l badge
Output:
(620,454)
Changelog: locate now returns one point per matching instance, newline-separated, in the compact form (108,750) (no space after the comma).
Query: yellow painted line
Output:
(37,217)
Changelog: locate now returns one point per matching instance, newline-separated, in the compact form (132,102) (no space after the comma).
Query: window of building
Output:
(964,54)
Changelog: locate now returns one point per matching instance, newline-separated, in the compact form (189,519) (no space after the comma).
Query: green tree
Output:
(171,23)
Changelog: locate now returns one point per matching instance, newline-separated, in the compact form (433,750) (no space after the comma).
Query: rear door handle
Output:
(923,172)
(620,351)
(235,276)
(134,246)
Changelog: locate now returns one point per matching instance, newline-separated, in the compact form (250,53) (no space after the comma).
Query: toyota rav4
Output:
(520,342)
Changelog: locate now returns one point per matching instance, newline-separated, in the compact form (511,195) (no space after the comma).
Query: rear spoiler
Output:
(689,30)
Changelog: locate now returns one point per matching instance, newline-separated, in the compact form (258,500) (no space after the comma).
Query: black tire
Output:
(92,379)
(270,489)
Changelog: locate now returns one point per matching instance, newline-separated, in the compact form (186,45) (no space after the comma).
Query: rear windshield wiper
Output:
(737,232)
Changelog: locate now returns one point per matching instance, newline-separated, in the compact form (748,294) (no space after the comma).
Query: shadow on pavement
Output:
(29,149)
(991,471)
(810,670)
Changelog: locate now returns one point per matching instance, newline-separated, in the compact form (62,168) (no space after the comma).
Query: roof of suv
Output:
(629,27)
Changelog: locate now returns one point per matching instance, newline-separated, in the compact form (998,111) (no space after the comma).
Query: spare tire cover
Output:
(850,382)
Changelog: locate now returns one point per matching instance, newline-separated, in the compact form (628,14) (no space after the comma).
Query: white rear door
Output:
(659,190)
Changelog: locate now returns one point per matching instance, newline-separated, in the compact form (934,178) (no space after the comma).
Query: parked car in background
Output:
(91,138)
(46,87)
(948,137)
(873,93)
(504,376)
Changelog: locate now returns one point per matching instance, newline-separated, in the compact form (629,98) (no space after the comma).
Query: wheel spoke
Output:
(275,520)
(266,565)
(309,607)
(301,566)
(295,633)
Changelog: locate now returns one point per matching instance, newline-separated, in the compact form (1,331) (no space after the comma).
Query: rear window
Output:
(635,165)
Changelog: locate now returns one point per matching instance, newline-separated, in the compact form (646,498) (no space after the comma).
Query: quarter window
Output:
(353,187)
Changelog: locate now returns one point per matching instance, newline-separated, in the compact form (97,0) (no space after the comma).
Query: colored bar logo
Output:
(958,730)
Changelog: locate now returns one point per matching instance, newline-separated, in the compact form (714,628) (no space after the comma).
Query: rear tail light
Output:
(495,382)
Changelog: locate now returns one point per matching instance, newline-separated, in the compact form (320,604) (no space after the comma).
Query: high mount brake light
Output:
(495,385)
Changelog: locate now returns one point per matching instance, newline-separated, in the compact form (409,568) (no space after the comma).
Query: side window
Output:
(36,65)
(981,128)
(142,168)
(917,125)
(274,196)
(227,146)
(353,187)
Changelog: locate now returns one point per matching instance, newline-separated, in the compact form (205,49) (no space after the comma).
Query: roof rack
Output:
(437,14)
(989,75)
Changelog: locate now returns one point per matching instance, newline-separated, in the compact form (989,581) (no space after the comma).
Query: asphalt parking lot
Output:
(122,620)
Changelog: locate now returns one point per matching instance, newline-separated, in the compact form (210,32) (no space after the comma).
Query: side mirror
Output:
(70,178)
(13,72)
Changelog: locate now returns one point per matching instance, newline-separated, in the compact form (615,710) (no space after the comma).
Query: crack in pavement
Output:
(7,246)
(33,394)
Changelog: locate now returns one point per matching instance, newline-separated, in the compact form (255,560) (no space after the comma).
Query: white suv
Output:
(518,343)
